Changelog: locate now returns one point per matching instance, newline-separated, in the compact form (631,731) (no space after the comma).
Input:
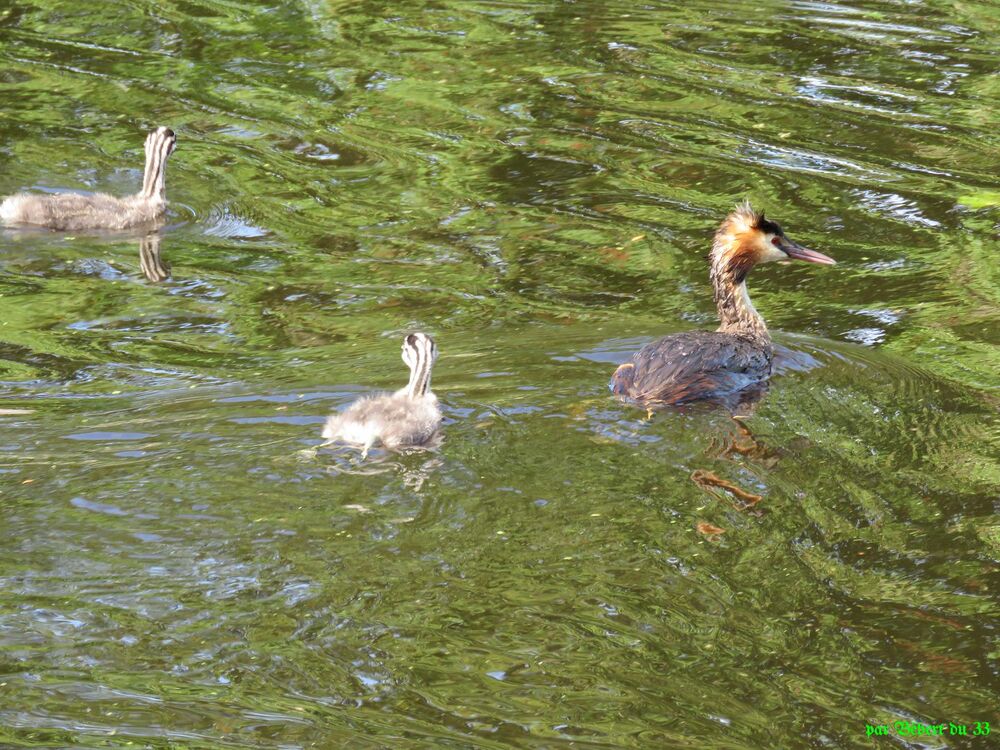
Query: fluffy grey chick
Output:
(408,417)
(73,211)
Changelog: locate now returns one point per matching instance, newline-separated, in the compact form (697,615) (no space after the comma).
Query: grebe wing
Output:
(692,365)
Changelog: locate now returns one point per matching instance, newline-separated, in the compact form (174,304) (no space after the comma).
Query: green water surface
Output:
(535,184)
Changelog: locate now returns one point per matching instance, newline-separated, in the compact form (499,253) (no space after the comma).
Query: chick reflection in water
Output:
(153,266)
(408,418)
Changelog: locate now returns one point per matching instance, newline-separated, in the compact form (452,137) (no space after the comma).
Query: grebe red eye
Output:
(776,241)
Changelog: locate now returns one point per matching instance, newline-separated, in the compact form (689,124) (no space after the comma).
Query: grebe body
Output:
(76,211)
(713,364)
(409,417)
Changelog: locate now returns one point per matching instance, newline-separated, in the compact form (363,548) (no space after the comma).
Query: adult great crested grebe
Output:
(407,418)
(74,211)
(713,364)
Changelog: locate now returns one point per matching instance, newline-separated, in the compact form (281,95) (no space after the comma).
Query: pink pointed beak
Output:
(795,251)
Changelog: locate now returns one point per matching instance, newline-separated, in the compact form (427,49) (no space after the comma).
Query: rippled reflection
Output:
(153,266)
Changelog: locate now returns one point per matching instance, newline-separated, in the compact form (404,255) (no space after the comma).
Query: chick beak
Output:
(795,251)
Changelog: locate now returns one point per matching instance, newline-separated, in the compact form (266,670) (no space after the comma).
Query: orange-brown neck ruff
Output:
(733,256)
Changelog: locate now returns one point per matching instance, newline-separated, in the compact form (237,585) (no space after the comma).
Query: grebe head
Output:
(419,347)
(744,239)
(160,143)
(162,138)
(747,237)
(419,353)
